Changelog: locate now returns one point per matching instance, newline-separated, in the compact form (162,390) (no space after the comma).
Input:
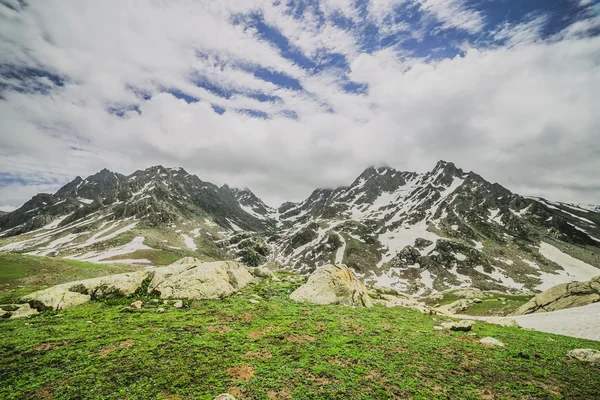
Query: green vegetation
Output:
(156,257)
(21,274)
(489,305)
(493,306)
(278,349)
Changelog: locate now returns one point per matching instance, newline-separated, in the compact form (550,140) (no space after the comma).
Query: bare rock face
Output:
(464,325)
(187,278)
(588,355)
(333,284)
(71,294)
(200,281)
(563,296)
(16,311)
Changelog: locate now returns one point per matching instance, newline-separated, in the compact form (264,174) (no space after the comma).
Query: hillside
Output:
(421,233)
(258,344)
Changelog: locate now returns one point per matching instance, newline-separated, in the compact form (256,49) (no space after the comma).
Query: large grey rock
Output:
(262,272)
(455,307)
(587,355)
(200,281)
(490,341)
(71,294)
(224,396)
(464,325)
(333,284)
(563,296)
(16,311)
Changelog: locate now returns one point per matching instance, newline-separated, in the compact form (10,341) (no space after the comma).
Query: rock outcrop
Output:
(187,278)
(333,284)
(70,294)
(587,355)
(16,311)
(199,281)
(562,296)
(464,325)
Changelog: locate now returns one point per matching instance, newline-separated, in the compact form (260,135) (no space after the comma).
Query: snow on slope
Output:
(575,269)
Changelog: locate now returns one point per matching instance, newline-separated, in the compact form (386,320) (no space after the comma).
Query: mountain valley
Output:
(419,233)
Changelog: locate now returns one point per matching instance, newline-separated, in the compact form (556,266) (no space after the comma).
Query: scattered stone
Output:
(477,300)
(455,307)
(491,342)
(588,355)
(160,310)
(89,322)
(178,304)
(464,325)
(254,301)
(155,300)
(438,328)
(165,301)
(23,311)
(333,284)
(59,315)
(275,279)
(224,396)
(292,280)
(508,322)
(404,302)
(256,296)
(136,304)
(566,295)
(502,299)
(262,272)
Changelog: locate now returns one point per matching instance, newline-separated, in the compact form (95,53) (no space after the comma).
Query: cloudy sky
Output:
(283,96)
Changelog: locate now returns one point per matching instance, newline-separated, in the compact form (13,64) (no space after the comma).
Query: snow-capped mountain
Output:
(418,232)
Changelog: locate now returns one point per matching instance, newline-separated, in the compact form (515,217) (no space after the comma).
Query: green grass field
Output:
(21,274)
(278,349)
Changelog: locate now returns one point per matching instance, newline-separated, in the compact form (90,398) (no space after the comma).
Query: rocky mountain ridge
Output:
(418,232)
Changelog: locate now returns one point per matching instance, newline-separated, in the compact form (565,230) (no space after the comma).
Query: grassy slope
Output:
(488,306)
(21,274)
(279,349)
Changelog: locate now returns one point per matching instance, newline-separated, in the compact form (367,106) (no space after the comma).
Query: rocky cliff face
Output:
(420,233)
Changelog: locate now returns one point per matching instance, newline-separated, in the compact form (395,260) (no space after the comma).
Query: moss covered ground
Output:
(278,349)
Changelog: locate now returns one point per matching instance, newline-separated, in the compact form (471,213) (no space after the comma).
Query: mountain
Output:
(419,232)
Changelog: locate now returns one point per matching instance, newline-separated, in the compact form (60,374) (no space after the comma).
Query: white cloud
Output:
(524,113)
(454,14)
(522,33)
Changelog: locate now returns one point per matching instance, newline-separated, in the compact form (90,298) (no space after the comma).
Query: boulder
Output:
(333,284)
(563,296)
(70,294)
(262,272)
(137,304)
(464,325)
(491,342)
(587,355)
(404,302)
(224,396)
(16,311)
(455,307)
(200,281)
